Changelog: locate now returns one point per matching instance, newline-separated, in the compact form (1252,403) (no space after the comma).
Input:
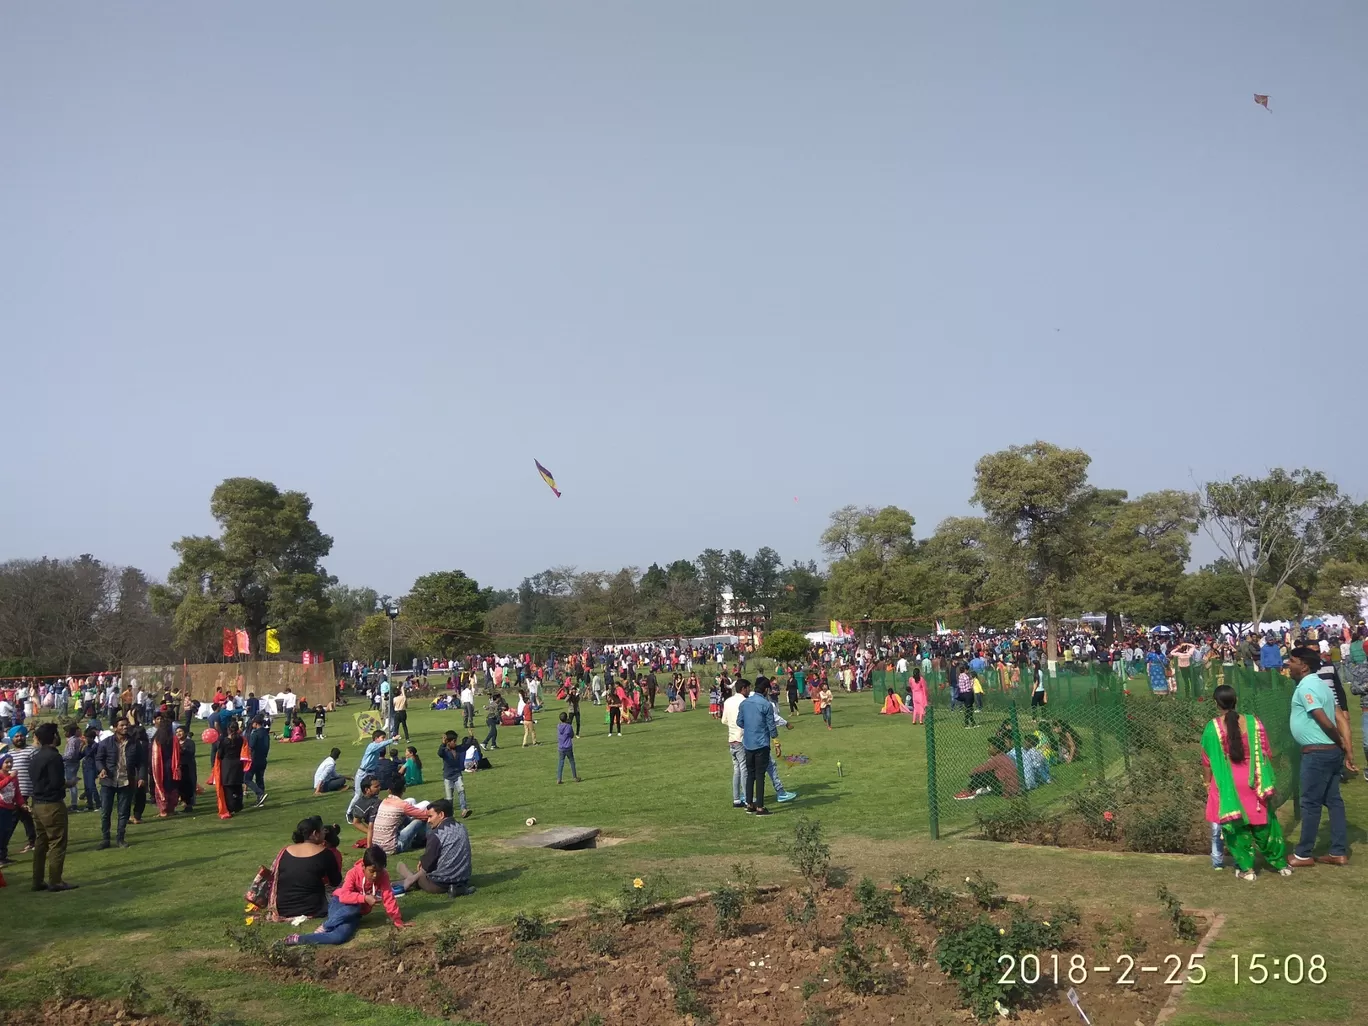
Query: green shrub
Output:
(876,906)
(728,903)
(528,926)
(446,946)
(1184,926)
(809,852)
(984,891)
(532,958)
(747,880)
(603,943)
(969,956)
(187,1009)
(858,973)
(633,901)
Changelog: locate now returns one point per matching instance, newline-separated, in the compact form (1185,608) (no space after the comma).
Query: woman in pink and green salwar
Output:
(1240,782)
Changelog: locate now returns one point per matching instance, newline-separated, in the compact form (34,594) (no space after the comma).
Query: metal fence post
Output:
(932,800)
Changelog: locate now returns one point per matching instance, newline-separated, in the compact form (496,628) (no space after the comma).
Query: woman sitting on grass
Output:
(304,870)
(365,885)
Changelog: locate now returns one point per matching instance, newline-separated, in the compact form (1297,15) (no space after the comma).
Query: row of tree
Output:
(1048,542)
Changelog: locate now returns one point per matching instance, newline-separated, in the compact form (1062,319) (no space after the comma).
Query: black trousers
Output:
(615,718)
(492,737)
(139,801)
(401,722)
(757,765)
(575,719)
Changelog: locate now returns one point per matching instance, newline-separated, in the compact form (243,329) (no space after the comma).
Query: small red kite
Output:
(1262,101)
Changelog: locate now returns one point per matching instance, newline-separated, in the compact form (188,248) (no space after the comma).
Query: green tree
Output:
(263,570)
(970,571)
(877,575)
(1213,596)
(1277,530)
(1139,553)
(1038,496)
(784,646)
(449,607)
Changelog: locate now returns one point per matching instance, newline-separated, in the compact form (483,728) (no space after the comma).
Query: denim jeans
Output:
(738,755)
(88,778)
(456,787)
(109,798)
(256,779)
(1217,847)
(1320,787)
(774,779)
(412,836)
(566,754)
(340,926)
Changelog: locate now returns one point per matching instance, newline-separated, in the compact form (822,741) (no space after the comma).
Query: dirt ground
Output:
(78,1012)
(600,967)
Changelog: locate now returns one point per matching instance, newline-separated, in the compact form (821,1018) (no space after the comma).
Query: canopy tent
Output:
(1161,629)
(821,637)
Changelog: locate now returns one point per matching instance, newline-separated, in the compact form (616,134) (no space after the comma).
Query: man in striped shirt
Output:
(21,753)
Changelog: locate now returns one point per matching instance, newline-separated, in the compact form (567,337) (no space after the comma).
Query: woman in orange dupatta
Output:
(231,764)
(166,766)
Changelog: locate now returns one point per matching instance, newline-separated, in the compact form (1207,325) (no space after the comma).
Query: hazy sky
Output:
(697,258)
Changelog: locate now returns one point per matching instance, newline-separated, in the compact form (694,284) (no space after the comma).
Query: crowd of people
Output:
(149,748)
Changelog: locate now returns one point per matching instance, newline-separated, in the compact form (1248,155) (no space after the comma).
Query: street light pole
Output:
(392,611)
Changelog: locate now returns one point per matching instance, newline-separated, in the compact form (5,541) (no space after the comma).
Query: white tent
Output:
(821,637)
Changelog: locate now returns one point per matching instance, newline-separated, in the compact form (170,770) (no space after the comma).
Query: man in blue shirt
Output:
(370,758)
(755,717)
(1270,655)
(1322,760)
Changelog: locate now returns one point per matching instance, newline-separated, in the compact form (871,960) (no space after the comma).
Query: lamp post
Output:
(392,611)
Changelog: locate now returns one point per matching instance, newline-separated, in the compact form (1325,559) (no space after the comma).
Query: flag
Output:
(940,626)
(272,641)
(308,658)
(244,643)
(546,476)
(229,643)
(1262,100)
(836,628)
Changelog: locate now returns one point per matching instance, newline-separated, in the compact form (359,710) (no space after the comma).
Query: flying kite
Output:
(1262,100)
(546,476)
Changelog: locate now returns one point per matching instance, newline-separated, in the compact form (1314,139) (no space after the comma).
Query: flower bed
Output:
(918,952)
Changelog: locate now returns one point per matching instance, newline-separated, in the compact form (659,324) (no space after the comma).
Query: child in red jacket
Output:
(365,885)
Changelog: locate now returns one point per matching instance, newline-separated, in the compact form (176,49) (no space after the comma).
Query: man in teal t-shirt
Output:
(1322,760)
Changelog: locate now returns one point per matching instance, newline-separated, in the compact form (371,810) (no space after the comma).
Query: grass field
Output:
(661,793)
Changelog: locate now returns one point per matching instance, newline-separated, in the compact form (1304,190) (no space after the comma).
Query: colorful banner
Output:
(272,641)
(244,642)
(308,658)
(229,643)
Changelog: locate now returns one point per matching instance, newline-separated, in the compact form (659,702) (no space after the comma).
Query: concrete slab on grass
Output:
(569,838)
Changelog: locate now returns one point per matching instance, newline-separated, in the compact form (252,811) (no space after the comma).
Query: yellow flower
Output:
(1047,922)
(1002,932)
(638,883)
(968,967)
(897,888)
(251,920)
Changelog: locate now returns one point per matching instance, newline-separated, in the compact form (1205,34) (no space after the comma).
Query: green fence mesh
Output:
(1104,738)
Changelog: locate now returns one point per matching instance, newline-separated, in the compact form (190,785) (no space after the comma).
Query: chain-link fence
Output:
(1101,754)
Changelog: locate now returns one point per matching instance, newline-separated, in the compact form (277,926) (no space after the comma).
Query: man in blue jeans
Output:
(1322,759)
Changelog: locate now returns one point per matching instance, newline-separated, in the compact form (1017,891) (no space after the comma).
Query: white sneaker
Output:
(1285,871)
(1249,877)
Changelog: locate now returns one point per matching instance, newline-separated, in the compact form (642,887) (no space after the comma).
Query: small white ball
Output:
(531,820)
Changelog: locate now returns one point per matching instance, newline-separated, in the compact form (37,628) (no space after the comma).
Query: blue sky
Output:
(698,259)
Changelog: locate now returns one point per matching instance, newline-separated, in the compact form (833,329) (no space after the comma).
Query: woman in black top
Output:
(305,867)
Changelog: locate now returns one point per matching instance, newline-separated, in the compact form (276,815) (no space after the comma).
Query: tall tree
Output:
(1038,496)
(447,607)
(970,572)
(263,570)
(712,575)
(1277,528)
(1139,553)
(880,579)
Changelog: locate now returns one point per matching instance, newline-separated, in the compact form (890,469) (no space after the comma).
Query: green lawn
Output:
(662,794)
